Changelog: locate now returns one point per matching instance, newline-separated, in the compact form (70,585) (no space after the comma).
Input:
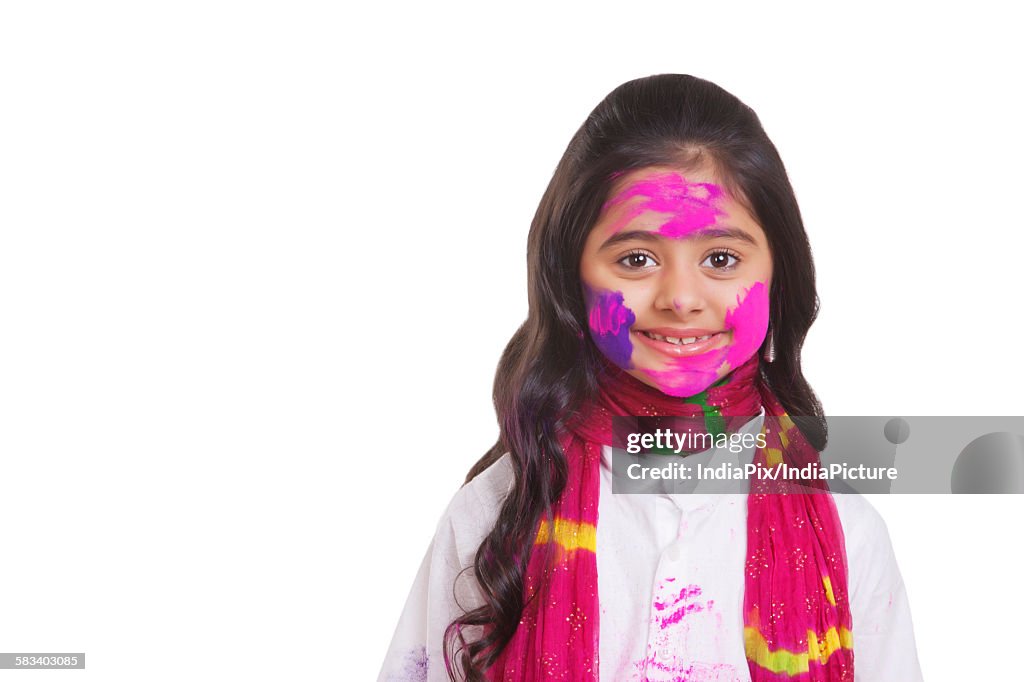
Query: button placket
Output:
(675,600)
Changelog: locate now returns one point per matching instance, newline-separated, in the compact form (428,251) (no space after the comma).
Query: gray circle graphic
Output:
(992,463)
(897,430)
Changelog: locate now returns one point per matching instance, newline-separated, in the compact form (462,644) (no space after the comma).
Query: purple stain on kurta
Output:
(610,320)
(414,668)
(692,205)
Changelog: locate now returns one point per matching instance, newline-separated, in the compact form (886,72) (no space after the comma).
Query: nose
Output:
(682,291)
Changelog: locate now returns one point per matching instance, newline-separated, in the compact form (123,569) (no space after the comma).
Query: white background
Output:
(259,261)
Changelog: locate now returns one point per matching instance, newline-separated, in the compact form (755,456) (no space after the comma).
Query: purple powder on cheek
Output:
(610,320)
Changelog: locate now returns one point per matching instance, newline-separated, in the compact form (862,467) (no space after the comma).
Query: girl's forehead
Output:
(662,180)
(673,201)
(649,192)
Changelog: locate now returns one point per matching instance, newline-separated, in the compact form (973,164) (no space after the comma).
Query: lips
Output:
(681,342)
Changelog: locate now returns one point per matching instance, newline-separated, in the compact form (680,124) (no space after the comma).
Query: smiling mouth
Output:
(682,346)
(686,341)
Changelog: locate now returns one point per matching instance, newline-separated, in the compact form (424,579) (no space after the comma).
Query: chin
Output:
(676,383)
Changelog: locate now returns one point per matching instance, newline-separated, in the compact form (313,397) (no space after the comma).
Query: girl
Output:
(669,275)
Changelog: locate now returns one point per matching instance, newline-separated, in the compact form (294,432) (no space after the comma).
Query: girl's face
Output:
(675,277)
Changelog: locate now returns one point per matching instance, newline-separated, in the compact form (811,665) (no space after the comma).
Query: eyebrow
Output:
(706,234)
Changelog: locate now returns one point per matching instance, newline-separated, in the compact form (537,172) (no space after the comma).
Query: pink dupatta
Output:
(797,621)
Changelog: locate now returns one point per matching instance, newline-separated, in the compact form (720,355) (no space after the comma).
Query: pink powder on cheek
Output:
(749,322)
(693,205)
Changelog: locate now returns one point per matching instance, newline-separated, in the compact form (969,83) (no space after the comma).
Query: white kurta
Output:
(670,570)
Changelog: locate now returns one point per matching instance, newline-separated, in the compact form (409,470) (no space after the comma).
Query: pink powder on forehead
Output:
(692,206)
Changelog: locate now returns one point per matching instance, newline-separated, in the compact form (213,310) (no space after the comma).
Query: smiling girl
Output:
(669,275)
(678,249)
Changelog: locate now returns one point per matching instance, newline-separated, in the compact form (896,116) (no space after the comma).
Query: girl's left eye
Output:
(637,260)
(719,260)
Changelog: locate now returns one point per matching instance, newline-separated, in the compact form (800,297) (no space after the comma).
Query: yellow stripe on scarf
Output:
(773,456)
(794,663)
(828,590)
(785,424)
(569,534)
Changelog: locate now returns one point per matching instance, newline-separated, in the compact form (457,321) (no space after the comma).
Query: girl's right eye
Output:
(637,260)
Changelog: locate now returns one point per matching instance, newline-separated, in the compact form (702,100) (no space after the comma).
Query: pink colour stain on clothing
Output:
(652,669)
(667,659)
(681,605)
(748,323)
(685,593)
(691,206)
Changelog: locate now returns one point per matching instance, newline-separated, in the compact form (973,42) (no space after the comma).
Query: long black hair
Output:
(549,367)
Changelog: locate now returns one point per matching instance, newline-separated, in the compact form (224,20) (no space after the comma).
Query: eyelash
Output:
(726,252)
(631,254)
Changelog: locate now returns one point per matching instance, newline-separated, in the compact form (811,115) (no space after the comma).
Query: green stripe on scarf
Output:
(713,420)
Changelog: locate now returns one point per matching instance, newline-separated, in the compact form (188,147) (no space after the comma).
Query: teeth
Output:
(678,341)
